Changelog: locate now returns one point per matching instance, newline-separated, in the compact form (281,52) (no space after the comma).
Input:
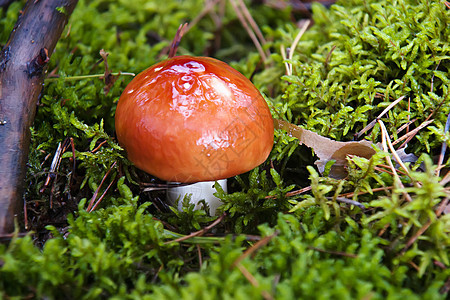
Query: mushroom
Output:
(193,119)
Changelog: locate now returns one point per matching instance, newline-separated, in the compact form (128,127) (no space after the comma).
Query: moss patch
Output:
(357,58)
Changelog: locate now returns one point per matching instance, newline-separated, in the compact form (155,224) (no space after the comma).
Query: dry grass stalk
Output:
(291,51)
(253,281)
(406,125)
(371,124)
(253,24)
(293,193)
(384,139)
(261,243)
(412,133)
(92,203)
(249,30)
(200,232)
(351,194)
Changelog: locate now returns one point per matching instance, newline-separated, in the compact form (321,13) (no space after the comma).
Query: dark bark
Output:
(22,65)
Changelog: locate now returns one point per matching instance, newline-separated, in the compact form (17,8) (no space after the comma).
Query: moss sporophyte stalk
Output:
(284,230)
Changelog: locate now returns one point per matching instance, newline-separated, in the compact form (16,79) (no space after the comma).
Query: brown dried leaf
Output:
(327,149)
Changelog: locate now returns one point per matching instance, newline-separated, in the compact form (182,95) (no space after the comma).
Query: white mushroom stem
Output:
(200,190)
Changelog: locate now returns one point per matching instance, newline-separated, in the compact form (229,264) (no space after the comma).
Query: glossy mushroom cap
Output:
(190,119)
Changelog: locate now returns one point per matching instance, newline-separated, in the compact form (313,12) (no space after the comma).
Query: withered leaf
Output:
(109,78)
(327,149)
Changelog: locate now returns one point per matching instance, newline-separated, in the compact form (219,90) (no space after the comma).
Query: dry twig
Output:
(22,66)
(92,204)
(415,236)
(255,247)
(247,253)
(200,232)
(253,281)
(200,259)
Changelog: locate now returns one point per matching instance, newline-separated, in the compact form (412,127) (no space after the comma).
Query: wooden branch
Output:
(22,64)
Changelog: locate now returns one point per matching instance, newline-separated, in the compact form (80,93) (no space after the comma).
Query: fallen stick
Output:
(22,66)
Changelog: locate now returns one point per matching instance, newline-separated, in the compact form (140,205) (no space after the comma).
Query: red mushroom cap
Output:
(190,119)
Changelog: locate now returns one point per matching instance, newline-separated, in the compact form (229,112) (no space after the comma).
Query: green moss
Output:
(374,53)
(354,61)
